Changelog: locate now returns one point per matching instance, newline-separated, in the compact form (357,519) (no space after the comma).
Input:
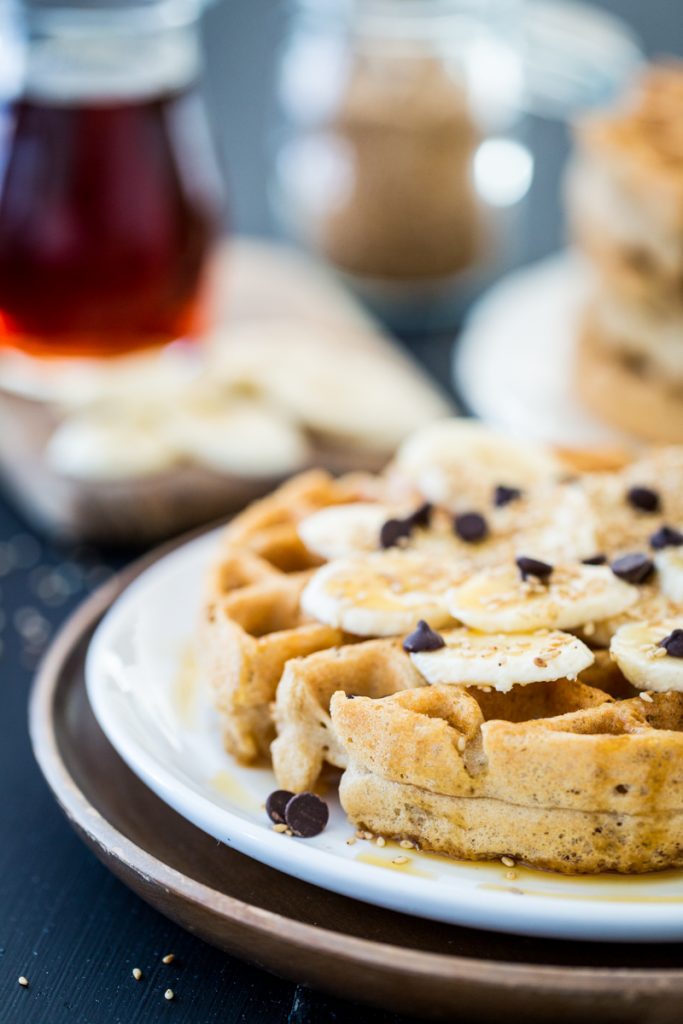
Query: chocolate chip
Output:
(673,643)
(594,560)
(276,803)
(471,527)
(634,568)
(643,498)
(306,814)
(421,515)
(533,567)
(666,537)
(504,495)
(393,531)
(423,638)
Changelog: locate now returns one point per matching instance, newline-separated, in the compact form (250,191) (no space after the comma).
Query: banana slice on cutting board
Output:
(650,655)
(503,660)
(244,438)
(103,445)
(499,600)
(382,594)
(457,460)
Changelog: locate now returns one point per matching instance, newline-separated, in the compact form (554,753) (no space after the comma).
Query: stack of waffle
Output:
(626,208)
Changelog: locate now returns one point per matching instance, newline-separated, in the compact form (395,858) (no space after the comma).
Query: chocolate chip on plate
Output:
(276,803)
(393,531)
(666,537)
(471,527)
(423,638)
(533,567)
(421,515)
(598,559)
(633,568)
(643,498)
(503,495)
(306,814)
(673,643)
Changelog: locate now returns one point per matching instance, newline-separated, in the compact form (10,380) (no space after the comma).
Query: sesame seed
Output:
(168,959)
(137,973)
(406,844)
(400,860)
(23,981)
(589,628)
(280,827)
(540,663)
(647,697)
(351,840)
(508,862)
(511,875)
(381,841)
(462,743)
(169,994)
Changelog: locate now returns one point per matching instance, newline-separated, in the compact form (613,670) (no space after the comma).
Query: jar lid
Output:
(575,57)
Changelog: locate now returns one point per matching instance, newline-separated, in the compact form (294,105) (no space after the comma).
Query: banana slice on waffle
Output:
(503,660)
(669,566)
(382,594)
(453,461)
(650,655)
(341,530)
(502,600)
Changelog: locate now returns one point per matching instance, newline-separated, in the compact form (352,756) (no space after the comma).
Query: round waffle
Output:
(580,774)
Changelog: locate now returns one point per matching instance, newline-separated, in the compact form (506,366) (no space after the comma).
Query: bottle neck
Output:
(104,53)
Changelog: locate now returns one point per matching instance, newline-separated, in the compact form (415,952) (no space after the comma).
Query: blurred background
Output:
(162,361)
(242,40)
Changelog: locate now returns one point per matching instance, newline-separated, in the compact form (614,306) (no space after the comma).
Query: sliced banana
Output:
(455,461)
(244,438)
(498,600)
(503,660)
(650,606)
(637,651)
(330,381)
(669,565)
(382,594)
(342,530)
(106,445)
(559,525)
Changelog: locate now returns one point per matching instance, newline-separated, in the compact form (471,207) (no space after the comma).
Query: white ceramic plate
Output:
(152,707)
(514,361)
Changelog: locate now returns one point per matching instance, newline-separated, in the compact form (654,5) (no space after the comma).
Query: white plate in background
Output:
(514,361)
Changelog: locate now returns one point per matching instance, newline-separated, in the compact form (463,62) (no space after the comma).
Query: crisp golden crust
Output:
(251,622)
(584,790)
(640,404)
(305,737)
(643,137)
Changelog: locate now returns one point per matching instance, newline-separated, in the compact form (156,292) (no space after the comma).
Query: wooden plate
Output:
(297,930)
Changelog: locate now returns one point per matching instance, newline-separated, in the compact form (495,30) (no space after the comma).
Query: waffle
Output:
(251,622)
(562,777)
(578,772)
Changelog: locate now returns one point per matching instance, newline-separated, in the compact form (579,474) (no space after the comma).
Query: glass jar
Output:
(110,197)
(385,164)
(402,153)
